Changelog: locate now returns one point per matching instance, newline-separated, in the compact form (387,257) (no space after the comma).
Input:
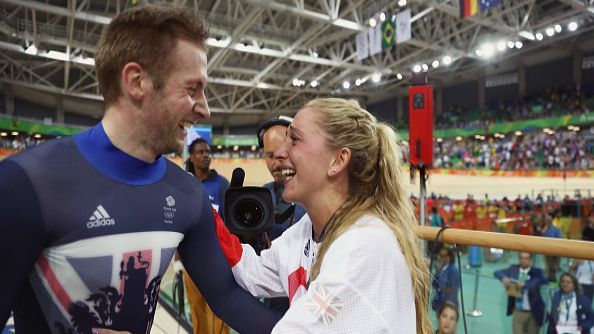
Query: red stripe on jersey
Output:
(296,279)
(53,282)
(229,243)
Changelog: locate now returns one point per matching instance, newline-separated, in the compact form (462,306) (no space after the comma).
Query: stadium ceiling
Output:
(260,48)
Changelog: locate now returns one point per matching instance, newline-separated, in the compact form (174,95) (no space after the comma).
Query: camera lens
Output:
(248,213)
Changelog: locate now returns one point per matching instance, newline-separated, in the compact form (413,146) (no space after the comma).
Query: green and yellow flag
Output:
(388,29)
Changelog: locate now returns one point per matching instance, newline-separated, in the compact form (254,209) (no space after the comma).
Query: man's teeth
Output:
(288,173)
(185,124)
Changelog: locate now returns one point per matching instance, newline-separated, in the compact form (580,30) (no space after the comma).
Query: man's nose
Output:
(281,152)
(200,106)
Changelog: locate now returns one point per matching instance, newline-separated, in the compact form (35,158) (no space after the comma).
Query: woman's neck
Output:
(321,212)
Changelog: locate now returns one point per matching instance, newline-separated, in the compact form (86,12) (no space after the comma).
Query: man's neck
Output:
(202,174)
(126,137)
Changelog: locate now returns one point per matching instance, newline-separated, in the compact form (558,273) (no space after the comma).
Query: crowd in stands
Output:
(553,102)
(19,143)
(529,151)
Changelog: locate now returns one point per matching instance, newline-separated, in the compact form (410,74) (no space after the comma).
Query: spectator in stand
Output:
(447,319)
(588,232)
(547,229)
(584,272)
(571,311)
(446,281)
(527,308)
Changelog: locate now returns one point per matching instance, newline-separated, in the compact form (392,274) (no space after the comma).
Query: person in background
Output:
(90,222)
(571,311)
(271,135)
(447,319)
(446,281)
(527,310)
(584,272)
(547,229)
(198,164)
(588,231)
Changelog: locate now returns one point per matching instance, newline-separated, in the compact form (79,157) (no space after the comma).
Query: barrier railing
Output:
(549,246)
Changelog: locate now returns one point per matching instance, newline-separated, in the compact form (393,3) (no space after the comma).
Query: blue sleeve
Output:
(500,274)
(588,322)
(207,266)
(536,280)
(22,233)
(222,189)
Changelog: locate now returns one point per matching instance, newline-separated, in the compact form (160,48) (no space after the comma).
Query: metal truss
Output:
(259,48)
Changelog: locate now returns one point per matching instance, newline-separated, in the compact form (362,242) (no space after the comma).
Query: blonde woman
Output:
(353,263)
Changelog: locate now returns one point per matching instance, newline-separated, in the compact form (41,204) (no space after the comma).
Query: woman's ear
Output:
(341,162)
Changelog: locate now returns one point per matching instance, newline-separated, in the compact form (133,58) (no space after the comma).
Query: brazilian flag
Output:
(388,34)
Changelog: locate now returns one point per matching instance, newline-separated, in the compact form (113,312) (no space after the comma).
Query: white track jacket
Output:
(364,285)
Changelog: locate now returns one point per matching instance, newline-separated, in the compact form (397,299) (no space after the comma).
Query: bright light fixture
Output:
(346,84)
(447,60)
(539,36)
(376,77)
(417,68)
(372,22)
(572,26)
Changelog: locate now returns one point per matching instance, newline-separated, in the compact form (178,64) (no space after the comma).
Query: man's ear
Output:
(134,81)
(341,162)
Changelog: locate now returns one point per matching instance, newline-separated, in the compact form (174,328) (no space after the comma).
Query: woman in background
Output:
(447,319)
(571,311)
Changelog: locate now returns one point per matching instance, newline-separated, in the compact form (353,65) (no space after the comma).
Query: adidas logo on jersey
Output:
(100,218)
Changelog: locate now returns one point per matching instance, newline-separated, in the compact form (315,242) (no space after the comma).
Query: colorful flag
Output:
(486,4)
(362,45)
(375,40)
(388,34)
(468,8)
(403,31)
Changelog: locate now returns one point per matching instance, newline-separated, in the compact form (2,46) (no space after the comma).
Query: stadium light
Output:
(376,77)
(382,17)
(314,83)
(558,28)
(501,46)
(439,140)
(235,148)
(539,36)
(219,147)
(458,138)
(488,50)
(518,133)
(372,22)
(519,44)
(550,31)
(357,83)
(479,52)
(510,44)
(447,60)
(253,147)
(572,26)
(37,135)
(14,133)
(425,67)
(435,63)
(3,134)
(401,3)
(346,84)
(399,76)
(417,68)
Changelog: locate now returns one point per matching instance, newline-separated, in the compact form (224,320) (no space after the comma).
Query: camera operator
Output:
(271,134)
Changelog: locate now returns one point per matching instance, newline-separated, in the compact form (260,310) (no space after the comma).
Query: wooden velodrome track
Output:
(456,186)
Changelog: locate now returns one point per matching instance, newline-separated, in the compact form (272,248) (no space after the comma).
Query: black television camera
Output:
(249,212)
